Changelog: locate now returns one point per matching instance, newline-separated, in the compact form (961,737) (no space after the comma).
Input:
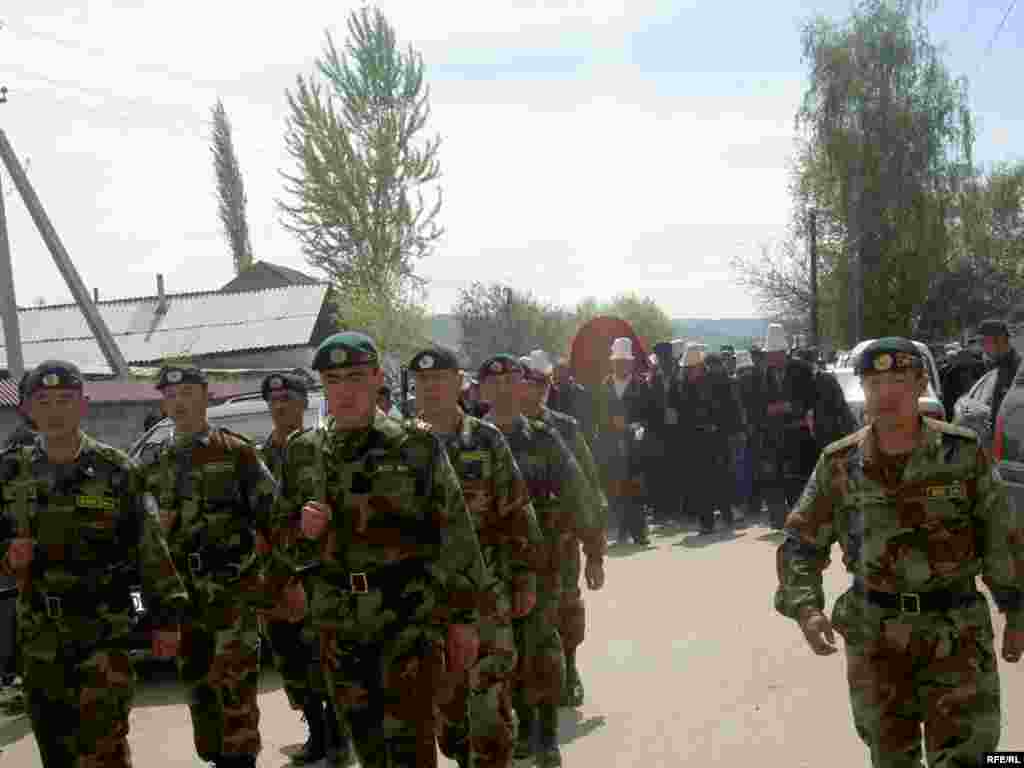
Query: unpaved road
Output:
(685,663)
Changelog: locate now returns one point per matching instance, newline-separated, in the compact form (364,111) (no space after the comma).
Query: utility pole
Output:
(813,233)
(8,300)
(100,331)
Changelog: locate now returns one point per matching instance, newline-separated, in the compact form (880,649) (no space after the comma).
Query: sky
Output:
(589,147)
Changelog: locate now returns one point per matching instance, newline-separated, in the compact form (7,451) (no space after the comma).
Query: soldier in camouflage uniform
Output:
(401,574)
(919,514)
(478,724)
(572,617)
(216,498)
(76,529)
(563,505)
(295,645)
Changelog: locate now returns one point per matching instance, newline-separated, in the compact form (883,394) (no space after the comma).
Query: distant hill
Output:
(444,329)
(714,333)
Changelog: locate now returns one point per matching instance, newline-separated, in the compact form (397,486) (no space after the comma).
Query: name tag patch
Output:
(95,502)
(951,491)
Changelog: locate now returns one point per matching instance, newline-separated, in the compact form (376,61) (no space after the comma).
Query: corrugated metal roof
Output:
(194,324)
(8,393)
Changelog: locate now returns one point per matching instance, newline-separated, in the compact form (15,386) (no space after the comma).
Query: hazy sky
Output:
(589,146)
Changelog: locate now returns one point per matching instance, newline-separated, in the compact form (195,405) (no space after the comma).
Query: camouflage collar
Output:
(196,438)
(929,440)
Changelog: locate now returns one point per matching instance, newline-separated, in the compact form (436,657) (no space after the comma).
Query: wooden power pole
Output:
(8,301)
(104,338)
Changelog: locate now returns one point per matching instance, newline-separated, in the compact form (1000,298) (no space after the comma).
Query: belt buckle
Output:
(358,583)
(195,562)
(54,607)
(910,602)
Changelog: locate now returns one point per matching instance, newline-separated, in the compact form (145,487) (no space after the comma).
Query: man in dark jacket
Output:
(568,397)
(663,456)
(996,342)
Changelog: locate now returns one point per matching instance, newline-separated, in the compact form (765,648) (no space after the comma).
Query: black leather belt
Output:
(83,605)
(914,603)
(205,564)
(391,577)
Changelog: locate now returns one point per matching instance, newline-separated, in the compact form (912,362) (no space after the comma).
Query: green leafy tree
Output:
(891,137)
(363,162)
(231,200)
(495,318)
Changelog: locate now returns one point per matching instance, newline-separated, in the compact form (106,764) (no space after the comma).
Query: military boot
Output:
(339,744)
(548,753)
(315,748)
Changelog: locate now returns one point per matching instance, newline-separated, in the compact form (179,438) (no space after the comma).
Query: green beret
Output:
(499,364)
(180,374)
(52,374)
(345,350)
(889,354)
(288,383)
(993,327)
(434,359)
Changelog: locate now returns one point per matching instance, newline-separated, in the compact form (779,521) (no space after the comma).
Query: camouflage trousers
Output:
(476,721)
(296,655)
(932,670)
(219,666)
(572,617)
(540,672)
(79,711)
(384,688)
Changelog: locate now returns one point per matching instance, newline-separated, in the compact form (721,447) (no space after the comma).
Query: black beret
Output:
(434,359)
(180,374)
(498,364)
(663,348)
(889,354)
(284,382)
(52,374)
(994,327)
(345,350)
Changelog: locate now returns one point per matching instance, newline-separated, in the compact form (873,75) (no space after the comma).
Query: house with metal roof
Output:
(254,329)
(243,334)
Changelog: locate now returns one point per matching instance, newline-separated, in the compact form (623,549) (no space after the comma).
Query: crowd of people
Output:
(420,578)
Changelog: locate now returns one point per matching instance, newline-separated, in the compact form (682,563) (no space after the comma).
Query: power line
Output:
(1009,10)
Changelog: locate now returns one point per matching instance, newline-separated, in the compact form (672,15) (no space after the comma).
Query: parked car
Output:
(974,408)
(1008,441)
(930,402)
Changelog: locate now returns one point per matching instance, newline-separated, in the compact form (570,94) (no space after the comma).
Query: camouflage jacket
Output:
(559,493)
(221,495)
(498,501)
(573,435)
(96,535)
(942,523)
(400,549)
(273,456)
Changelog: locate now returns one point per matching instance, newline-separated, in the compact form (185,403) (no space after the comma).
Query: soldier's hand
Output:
(167,518)
(522,603)
(20,553)
(817,630)
(1013,645)
(315,515)
(295,602)
(462,648)
(594,573)
(166,643)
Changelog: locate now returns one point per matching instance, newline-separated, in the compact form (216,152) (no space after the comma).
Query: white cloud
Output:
(563,186)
